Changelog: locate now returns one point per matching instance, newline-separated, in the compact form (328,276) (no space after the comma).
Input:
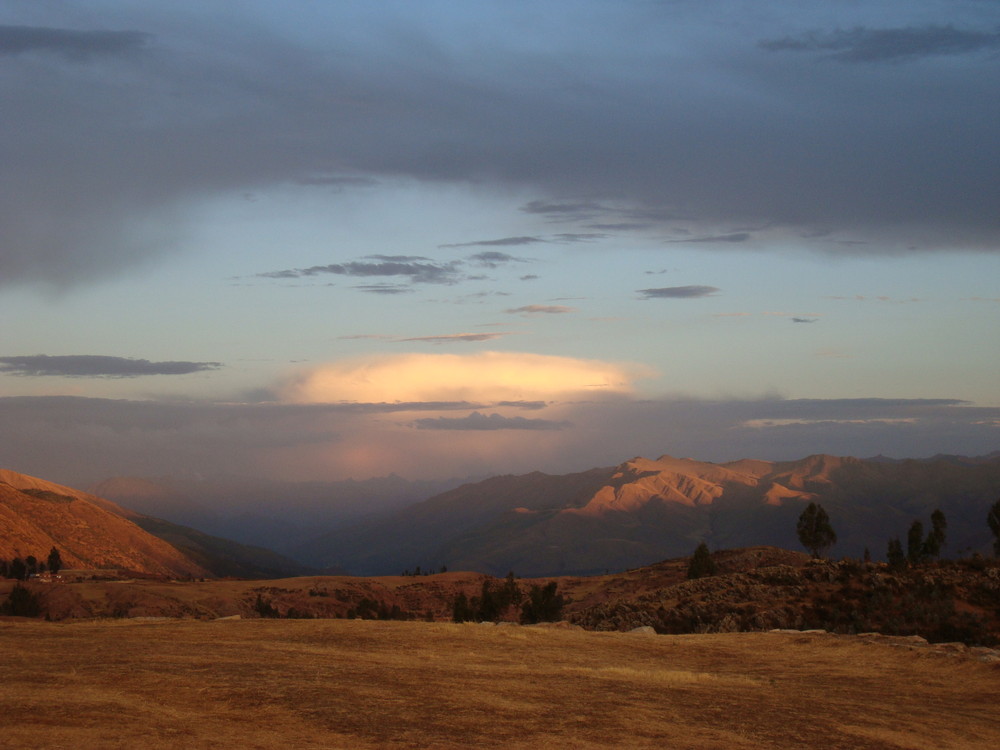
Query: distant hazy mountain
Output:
(643,511)
(92,532)
(274,514)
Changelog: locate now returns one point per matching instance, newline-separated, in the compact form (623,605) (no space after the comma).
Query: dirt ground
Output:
(372,684)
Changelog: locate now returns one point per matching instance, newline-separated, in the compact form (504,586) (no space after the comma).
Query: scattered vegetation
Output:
(493,603)
(22,569)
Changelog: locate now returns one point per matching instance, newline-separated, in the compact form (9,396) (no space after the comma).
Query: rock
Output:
(643,630)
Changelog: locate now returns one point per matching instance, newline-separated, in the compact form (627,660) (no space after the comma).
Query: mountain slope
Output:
(36,515)
(646,510)
(76,522)
(268,513)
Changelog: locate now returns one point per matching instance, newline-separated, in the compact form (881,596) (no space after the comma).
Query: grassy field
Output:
(370,684)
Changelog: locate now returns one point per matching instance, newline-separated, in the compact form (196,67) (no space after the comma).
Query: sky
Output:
(336,240)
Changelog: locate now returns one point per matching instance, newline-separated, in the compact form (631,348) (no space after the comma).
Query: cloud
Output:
(805,320)
(502,242)
(493,259)
(384,289)
(621,226)
(564,210)
(731,237)
(96,366)
(77,46)
(529,405)
(579,236)
(458,338)
(679,292)
(109,165)
(418,271)
(541,310)
(483,377)
(337,181)
(479,421)
(865,45)
(79,441)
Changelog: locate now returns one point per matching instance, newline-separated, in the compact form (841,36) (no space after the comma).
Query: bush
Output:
(702,563)
(22,602)
(544,605)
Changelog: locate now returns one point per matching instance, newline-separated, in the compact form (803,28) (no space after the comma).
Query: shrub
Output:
(701,564)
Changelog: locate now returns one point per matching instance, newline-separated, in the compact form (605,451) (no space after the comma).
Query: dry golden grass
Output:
(369,684)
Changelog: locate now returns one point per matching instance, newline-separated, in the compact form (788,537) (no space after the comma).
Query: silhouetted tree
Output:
(935,537)
(461,610)
(55,561)
(510,594)
(701,564)
(22,602)
(488,605)
(915,543)
(993,520)
(31,563)
(544,604)
(18,570)
(894,554)
(815,532)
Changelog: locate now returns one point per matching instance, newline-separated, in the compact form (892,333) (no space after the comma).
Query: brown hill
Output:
(89,532)
(646,510)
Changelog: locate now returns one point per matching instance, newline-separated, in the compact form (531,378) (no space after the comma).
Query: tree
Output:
(55,561)
(815,532)
(22,602)
(510,593)
(915,543)
(461,610)
(993,519)
(895,555)
(701,564)
(543,605)
(18,570)
(935,537)
(488,609)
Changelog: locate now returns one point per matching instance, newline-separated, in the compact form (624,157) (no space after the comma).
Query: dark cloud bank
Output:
(111,131)
(96,366)
(82,440)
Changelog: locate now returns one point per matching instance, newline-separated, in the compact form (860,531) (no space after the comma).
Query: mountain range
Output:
(643,511)
(595,521)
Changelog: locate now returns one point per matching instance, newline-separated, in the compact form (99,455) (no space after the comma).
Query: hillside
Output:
(265,512)
(755,589)
(92,532)
(646,510)
(89,532)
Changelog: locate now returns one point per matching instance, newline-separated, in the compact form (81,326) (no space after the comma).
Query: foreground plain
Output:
(373,684)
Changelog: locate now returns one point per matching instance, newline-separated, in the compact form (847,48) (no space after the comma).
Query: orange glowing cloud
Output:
(482,377)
